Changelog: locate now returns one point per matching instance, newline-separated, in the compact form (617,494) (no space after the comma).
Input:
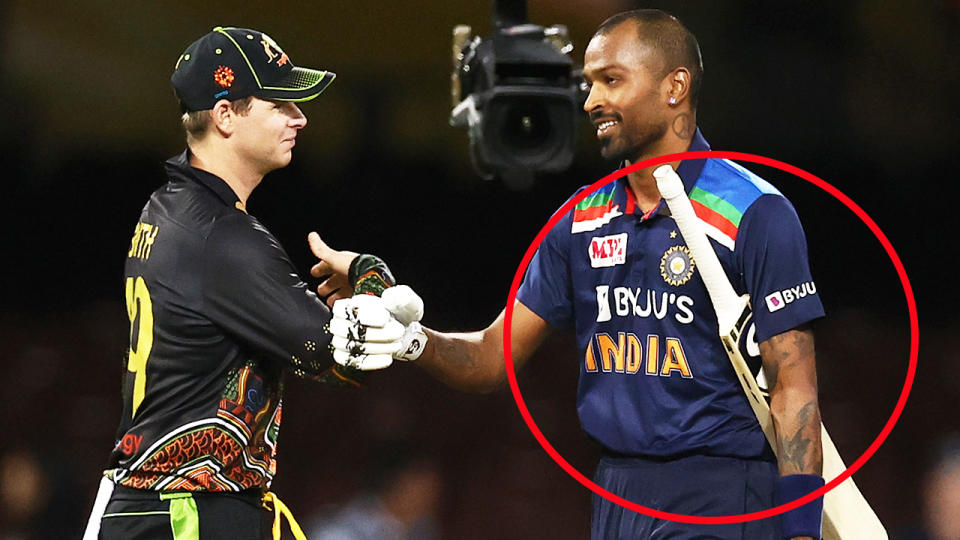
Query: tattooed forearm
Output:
(797,453)
(462,361)
(460,352)
(788,361)
(473,361)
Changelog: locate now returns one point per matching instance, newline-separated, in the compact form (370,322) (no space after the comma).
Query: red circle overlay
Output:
(738,518)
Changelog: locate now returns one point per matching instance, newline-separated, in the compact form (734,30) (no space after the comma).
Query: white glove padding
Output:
(407,307)
(365,334)
(403,303)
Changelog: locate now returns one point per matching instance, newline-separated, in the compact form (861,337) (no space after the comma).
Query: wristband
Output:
(414,341)
(368,274)
(806,520)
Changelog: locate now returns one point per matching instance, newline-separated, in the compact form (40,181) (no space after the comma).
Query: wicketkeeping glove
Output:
(365,334)
(407,307)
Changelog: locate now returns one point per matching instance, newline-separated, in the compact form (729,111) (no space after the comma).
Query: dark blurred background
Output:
(861,93)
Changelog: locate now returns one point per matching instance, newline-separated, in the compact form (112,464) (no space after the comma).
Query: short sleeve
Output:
(547,288)
(772,251)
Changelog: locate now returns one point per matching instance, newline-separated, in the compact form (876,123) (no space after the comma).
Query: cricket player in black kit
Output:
(217,310)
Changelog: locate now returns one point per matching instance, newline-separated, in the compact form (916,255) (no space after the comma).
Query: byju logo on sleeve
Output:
(779,300)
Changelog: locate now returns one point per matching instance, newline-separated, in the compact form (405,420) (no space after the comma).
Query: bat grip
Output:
(726,302)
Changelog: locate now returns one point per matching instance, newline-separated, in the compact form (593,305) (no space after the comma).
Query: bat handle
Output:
(726,302)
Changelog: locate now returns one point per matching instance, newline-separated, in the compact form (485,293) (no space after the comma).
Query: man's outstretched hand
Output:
(335,265)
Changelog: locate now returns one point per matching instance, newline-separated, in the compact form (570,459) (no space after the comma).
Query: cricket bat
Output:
(846,514)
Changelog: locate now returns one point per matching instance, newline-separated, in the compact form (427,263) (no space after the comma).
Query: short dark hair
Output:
(677,46)
(195,123)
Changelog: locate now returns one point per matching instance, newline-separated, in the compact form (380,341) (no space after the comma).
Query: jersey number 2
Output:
(140,311)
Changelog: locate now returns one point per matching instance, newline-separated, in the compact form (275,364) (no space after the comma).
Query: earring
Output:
(672,100)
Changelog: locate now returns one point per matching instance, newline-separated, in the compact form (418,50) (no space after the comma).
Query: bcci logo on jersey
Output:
(779,299)
(676,265)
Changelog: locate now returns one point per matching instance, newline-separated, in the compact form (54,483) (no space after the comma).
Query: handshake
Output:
(369,332)
(374,321)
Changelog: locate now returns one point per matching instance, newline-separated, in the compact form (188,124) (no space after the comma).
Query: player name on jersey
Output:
(144,235)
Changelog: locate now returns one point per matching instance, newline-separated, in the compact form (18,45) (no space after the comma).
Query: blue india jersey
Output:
(654,377)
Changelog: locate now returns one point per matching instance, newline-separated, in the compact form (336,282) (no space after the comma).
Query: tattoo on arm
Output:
(458,360)
(772,371)
(473,361)
(458,353)
(795,451)
(788,361)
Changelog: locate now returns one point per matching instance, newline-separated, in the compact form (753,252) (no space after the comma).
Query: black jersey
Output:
(217,314)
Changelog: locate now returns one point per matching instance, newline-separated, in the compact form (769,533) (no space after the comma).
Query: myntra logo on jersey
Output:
(779,300)
(608,251)
(640,302)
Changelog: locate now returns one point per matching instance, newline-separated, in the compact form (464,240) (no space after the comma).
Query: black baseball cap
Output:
(234,63)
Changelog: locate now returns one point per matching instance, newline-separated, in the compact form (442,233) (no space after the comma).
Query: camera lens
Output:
(526,125)
(527,128)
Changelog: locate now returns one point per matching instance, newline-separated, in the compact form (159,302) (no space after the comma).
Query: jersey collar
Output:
(689,171)
(179,167)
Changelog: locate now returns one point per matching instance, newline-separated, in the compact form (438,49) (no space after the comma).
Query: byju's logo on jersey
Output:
(640,302)
(606,251)
(779,300)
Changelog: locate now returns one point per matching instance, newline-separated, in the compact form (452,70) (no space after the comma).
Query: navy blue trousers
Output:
(694,485)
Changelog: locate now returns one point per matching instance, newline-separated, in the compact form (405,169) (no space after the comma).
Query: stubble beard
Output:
(633,148)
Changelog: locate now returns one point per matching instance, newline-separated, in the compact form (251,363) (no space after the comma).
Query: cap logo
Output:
(273,51)
(224,76)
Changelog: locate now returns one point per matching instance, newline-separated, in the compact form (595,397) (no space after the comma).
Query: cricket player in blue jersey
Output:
(656,388)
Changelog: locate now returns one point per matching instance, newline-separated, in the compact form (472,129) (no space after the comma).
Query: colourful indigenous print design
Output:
(234,451)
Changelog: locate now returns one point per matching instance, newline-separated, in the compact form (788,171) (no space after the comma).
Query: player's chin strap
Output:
(280,509)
